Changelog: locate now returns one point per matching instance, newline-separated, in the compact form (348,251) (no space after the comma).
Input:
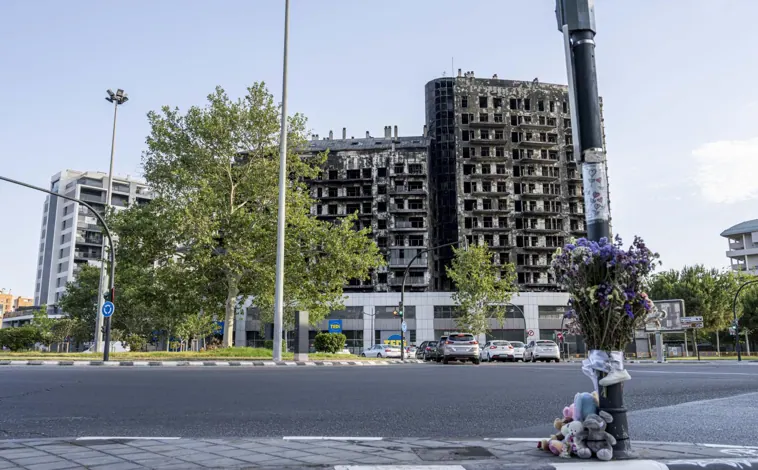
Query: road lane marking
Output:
(330,438)
(400,467)
(126,438)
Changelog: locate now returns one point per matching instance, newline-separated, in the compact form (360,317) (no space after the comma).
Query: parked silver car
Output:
(542,350)
(460,347)
(517,353)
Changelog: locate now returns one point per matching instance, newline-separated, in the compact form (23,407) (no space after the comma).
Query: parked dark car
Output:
(421,349)
(426,350)
(437,352)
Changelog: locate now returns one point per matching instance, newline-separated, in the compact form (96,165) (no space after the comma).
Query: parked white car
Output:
(496,350)
(542,350)
(517,354)
(382,350)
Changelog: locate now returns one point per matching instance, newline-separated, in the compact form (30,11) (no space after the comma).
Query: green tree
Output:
(748,304)
(215,172)
(79,301)
(707,292)
(483,289)
(44,326)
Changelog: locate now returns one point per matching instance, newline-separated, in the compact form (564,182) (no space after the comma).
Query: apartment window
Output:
(485,151)
(416,240)
(367,190)
(382,189)
(484,117)
(569,140)
(465,135)
(399,169)
(469,204)
(498,117)
(551,122)
(64,225)
(332,209)
(467,187)
(552,138)
(497,103)
(382,225)
(468,222)
(569,156)
(381,207)
(466,152)
(501,187)
(464,101)
(333,192)
(503,240)
(351,192)
(381,172)
(486,169)
(499,135)
(484,134)
(319,192)
(60,253)
(500,169)
(487,222)
(553,155)
(516,137)
(513,103)
(319,209)
(482,101)
(552,106)
(65,210)
(464,118)
(567,123)
(60,267)
(366,207)
(502,205)
(333,175)
(468,169)
(541,105)
(58,282)
(487,204)
(486,186)
(527,104)
(499,151)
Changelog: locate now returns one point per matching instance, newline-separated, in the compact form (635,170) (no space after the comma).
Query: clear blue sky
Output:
(677,77)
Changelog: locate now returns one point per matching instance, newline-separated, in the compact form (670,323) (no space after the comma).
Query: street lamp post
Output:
(105,228)
(576,21)
(117,98)
(402,292)
(279,286)
(736,322)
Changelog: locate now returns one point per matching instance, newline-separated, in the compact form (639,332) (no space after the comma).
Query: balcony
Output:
(537,143)
(498,176)
(575,195)
(540,266)
(535,125)
(578,231)
(494,228)
(409,281)
(487,124)
(87,255)
(536,158)
(410,192)
(541,229)
(352,197)
(490,141)
(92,198)
(406,208)
(94,241)
(420,262)
(538,211)
(491,192)
(500,247)
(539,195)
(492,210)
(414,174)
(544,248)
(538,177)
(574,177)
(406,226)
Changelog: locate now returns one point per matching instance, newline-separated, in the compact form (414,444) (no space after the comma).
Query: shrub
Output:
(17,339)
(269,344)
(330,342)
(135,342)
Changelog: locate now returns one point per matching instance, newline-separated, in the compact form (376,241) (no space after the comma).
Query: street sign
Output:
(666,316)
(691,322)
(405,327)
(108,309)
(335,326)
(530,332)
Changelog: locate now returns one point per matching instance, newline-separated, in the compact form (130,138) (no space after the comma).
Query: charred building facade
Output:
(502,171)
(385,181)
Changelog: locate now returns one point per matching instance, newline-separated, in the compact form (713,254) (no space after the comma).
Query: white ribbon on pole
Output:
(597,361)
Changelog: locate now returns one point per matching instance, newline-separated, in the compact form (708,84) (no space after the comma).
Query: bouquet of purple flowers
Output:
(607,285)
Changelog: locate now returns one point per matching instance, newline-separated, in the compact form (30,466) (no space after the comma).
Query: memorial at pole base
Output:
(608,302)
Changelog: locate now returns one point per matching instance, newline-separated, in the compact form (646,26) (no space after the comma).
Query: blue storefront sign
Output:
(335,326)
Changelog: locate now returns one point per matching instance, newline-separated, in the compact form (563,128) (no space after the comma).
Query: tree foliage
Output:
(18,339)
(749,306)
(707,292)
(215,171)
(483,289)
(79,301)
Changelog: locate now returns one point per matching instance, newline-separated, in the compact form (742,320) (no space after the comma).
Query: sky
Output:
(677,79)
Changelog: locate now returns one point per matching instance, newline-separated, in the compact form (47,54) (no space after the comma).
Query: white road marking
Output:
(126,438)
(399,467)
(330,438)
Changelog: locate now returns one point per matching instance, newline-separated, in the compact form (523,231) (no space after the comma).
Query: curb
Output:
(206,363)
(710,464)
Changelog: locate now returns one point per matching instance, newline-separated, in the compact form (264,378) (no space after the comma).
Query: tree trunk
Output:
(718,344)
(686,349)
(231,301)
(747,343)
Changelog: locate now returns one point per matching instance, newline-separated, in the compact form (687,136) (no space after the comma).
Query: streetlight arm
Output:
(99,217)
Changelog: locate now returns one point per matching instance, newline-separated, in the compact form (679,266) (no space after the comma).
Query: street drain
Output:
(437,454)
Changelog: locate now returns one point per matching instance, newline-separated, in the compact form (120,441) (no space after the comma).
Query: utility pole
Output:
(117,98)
(576,21)
(279,288)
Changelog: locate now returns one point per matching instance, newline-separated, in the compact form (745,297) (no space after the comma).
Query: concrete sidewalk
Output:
(126,453)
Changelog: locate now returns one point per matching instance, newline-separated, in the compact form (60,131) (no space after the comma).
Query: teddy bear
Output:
(585,404)
(570,431)
(557,439)
(597,440)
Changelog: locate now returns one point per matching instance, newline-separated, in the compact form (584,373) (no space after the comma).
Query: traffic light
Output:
(394,312)
(107,296)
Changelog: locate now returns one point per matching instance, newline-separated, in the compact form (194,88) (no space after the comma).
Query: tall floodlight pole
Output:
(279,293)
(576,21)
(117,99)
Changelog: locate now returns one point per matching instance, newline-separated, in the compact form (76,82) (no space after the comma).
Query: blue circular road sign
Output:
(108,309)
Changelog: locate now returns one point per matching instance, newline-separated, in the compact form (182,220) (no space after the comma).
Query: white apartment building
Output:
(70,234)
(743,246)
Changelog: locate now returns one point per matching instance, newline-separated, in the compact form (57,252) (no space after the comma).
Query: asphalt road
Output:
(703,403)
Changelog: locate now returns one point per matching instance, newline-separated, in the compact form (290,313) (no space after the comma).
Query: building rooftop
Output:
(748,226)
(370,143)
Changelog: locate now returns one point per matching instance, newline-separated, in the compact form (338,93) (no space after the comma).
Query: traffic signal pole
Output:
(112,253)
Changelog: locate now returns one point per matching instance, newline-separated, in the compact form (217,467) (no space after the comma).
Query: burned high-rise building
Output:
(502,172)
(384,180)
